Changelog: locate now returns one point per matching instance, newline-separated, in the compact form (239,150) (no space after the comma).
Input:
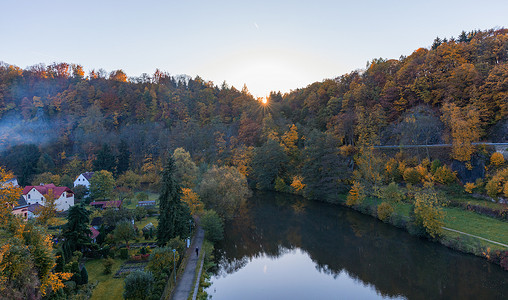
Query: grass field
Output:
(108,287)
(465,221)
(133,202)
(473,223)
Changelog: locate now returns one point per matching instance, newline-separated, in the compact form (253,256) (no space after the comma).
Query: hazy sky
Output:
(268,45)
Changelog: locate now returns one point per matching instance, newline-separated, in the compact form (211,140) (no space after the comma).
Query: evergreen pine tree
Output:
(76,231)
(463,37)
(174,214)
(84,275)
(437,42)
(124,157)
(105,160)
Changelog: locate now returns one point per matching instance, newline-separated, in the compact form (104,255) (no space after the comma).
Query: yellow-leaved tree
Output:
(192,200)
(26,251)
(464,125)
(428,212)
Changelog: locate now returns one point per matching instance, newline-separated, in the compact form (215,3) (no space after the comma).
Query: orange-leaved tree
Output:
(26,251)
(464,125)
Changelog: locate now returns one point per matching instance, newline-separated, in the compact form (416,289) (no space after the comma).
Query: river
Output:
(285,247)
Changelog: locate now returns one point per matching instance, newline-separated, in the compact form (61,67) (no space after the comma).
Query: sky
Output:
(267,45)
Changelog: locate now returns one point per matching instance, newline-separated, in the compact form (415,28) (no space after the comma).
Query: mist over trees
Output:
(107,121)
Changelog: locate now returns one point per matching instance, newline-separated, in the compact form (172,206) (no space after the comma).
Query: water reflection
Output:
(330,246)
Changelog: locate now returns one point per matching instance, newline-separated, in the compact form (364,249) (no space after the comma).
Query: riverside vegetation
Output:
(320,142)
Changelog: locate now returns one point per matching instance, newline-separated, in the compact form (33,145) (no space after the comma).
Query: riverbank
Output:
(457,219)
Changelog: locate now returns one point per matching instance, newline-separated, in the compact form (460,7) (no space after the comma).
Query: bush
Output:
(435,164)
(392,193)
(142,196)
(496,159)
(108,264)
(384,211)
(213,226)
(84,275)
(124,253)
(412,176)
(468,187)
(444,175)
(280,185)
(498,184)
(161,262)
(356,195)
(138,285)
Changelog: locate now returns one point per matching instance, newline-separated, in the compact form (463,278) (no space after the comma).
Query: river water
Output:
(285,247)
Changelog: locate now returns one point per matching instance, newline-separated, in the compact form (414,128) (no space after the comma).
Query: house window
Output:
(28,196)
(42,198)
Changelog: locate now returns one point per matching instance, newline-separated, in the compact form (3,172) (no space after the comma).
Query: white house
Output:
(83,179)
(64,197)
(12,182)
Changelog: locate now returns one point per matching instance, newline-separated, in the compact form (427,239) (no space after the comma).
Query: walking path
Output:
(478,237)
(184,285)
(196,287)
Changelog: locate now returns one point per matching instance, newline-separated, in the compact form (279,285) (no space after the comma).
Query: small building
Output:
(27,211)
(13,182)
(84,179)
(96,222)
(147,204)
(117,204)
(94,235)
(64,197)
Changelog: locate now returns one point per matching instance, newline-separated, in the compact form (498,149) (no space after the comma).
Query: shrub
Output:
(161,262)
(435,164)
(392,169)
(384,211)
(469,186)
(280,185)
(84,275)
(138,285)
(428,213)
(498,184)
(496,159)
(444,175)
(356,194)
(124,253)
(392,193)
(213,226)
(412,176)
(108,264)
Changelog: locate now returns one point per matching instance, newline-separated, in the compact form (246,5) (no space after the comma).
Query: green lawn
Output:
(473,223)
(134,202)
(108,287)
(465,221)
(143,223)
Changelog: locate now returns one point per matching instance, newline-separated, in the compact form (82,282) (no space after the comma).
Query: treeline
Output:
(455,91)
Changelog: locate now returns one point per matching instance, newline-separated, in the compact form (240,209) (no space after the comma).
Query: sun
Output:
(264,101)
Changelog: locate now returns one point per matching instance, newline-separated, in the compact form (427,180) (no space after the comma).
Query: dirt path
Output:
(475,236)
(184,285)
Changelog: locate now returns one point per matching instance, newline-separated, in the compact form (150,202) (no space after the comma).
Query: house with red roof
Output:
(64,197)
(116,204)
(94,234)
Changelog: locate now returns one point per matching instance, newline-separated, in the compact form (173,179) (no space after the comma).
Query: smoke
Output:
(16,131)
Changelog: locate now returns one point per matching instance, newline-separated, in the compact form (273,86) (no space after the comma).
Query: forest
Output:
(322,141)
(57,119)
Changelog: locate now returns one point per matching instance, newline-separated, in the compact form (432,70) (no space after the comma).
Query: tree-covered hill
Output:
(455,90)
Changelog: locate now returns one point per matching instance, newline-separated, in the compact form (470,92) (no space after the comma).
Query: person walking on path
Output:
(185,283)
